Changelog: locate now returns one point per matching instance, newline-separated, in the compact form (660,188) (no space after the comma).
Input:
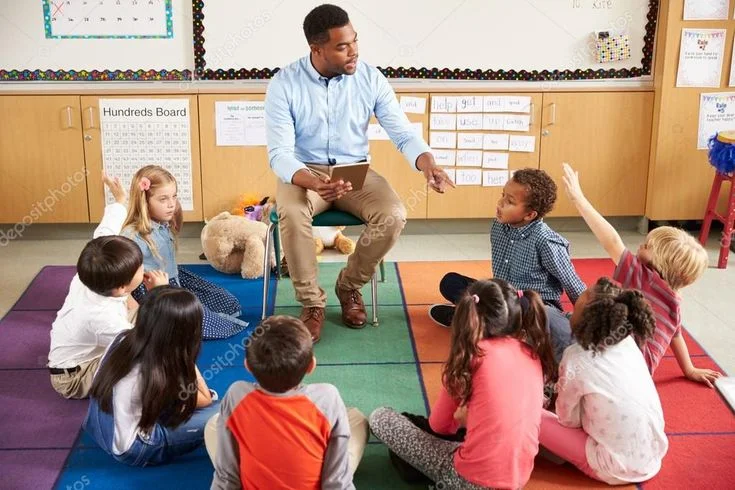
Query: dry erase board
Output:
(435,39)
(90,40)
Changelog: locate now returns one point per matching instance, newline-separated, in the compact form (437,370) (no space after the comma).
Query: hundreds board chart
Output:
(140,132)
(133,19)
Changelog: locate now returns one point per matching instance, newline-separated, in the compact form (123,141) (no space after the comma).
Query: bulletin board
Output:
(95,40)
(523,40)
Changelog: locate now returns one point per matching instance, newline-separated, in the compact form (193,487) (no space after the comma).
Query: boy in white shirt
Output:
(96,308)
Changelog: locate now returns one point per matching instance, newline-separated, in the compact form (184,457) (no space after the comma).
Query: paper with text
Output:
(469,141)
(468,176)
(443,103)
(493,122)
(525,144)
(471,122)
(440,139)
(413,105)
(444,157)
(494,178)
(517,122)
(495,142)
(443,122)
(700,57)
(136,132)
(469,158)
(494,160)
(469,103)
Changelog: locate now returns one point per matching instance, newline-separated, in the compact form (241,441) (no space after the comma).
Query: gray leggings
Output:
(432,456)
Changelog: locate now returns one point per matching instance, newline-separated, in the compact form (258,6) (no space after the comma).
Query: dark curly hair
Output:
(612,314)
(540,187)
(322,18)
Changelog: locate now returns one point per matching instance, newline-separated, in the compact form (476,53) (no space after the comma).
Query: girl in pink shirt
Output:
(492,385)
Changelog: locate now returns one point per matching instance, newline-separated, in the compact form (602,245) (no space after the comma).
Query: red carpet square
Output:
(688,406)
(701,462)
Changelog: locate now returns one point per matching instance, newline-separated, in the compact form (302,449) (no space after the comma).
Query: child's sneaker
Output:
(442,314)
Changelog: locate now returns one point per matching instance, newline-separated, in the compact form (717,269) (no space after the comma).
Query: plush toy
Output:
(332,237)
(235,244)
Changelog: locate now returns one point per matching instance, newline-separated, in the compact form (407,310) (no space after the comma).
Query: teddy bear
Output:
(234,244)
(332,237)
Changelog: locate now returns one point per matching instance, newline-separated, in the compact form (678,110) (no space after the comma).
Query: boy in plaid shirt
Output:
(526,253)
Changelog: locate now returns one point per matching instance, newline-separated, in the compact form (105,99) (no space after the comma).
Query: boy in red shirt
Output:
(279,433)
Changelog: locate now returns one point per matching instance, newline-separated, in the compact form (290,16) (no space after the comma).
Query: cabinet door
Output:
(229,171)
(409,183)
(93,149)
(42,172)
(604,136)
(476,201)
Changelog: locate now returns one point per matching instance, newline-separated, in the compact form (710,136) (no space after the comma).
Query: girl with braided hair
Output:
(608,422)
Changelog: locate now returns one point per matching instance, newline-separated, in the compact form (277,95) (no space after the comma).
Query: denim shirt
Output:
(162,237)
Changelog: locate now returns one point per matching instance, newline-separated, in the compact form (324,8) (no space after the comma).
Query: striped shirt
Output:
(664,301)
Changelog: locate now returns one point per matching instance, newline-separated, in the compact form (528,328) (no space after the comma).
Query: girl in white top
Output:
(148,402)
(609,422)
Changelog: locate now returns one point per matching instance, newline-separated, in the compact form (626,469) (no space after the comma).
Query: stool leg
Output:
(374,291)
(382,271)
(711,209)
(727,232)
(266,270)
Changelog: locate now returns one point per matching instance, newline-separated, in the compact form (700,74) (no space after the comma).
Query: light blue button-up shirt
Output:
(312,119)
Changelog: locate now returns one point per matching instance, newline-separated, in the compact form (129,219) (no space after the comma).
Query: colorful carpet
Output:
(396,364)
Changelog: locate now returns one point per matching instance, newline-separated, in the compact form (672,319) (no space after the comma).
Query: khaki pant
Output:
(76,385)
(376,204)
(359,433)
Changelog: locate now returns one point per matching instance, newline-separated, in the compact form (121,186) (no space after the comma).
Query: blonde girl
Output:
(154,221)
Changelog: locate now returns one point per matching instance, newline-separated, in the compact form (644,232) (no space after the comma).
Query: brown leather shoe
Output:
(353,309)
(313,318)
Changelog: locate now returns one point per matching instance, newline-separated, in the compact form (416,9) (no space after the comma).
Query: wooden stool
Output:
(728,221)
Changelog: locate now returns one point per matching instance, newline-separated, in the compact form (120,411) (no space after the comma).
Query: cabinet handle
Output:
(553,113)
(69,120)
(90,111)
(530,122)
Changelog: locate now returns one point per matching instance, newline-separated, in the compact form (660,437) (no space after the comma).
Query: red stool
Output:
(728,221)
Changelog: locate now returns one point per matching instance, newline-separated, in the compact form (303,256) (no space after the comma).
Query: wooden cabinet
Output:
(604,136)
(480,202)
(409,183)
(42,170)
(229,171)
(93,153)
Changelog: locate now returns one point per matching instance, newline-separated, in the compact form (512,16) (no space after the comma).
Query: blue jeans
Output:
(160,447)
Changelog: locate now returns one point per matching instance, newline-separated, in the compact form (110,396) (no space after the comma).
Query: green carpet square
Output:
(368,387)
(376,472)
(389,342)
(389,292)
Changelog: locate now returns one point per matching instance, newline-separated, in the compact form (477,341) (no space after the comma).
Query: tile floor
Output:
(705,308)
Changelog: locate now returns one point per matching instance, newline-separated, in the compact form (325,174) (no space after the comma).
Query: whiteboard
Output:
(26,47)
(455,34)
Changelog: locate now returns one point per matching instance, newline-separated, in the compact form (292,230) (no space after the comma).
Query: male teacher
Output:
(317,111)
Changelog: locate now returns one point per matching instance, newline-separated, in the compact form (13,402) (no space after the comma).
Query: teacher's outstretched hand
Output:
(435,176)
